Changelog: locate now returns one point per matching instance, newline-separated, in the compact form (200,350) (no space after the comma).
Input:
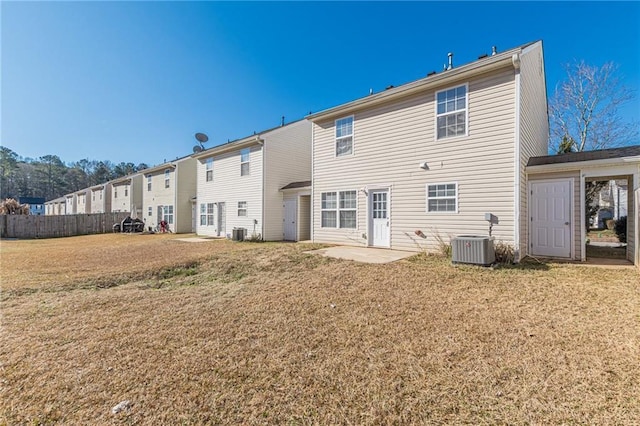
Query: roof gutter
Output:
(581,164)
(508,58)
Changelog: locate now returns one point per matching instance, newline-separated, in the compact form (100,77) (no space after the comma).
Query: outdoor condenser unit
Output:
(474,249)
(238,234)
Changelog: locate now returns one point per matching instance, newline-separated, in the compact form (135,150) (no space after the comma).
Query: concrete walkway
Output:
(363,254)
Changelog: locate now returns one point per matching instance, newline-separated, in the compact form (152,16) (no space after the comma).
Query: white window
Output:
(150,211)
(347,209)
(338,209)
(167,214)
(210,214)
(344,136)
(149,183)
(93,196)
(442,197)
(244,162)
(242,208)
(115,192)
(166,178)
(451,112)
(328,208)
(209,169)
(203,214)
(126,191)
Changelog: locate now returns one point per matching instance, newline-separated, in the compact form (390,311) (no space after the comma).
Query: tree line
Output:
(50,177)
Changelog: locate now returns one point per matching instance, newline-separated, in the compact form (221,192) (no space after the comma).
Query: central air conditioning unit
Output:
(238,234)
(473,249)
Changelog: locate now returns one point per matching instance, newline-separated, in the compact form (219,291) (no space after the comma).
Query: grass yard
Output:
(224,333)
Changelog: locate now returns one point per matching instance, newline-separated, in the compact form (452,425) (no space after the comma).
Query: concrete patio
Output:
(363,254)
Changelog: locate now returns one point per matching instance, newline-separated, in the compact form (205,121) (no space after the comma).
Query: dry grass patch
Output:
(270,335)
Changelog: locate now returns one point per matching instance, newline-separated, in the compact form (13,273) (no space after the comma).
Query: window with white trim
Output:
(167,175)
(115,192)
(442,197)
(210,214)
(451,112)
(148,182)
(150,211)
(347,209)
(344,136)
(93,196)
(203,214)
(242,208)
(126,191)
(167,214)
(209,169)
(338,209)
(244,161)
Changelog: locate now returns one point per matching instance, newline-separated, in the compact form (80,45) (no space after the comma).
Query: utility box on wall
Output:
(473,249)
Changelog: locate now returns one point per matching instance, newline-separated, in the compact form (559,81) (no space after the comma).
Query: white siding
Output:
(185,190)
(304,218)
(229,187)
(132,202)
(534,124)
(391,141)
(287,159)
(101,199)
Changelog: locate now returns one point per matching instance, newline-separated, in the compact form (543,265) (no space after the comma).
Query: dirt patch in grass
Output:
(270,335)
(607,252)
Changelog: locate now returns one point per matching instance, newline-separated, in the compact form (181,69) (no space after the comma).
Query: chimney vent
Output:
(494,50)
(450,66)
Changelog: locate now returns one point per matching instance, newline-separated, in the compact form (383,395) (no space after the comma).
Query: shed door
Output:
(379,218)
(289,221)
(551,218)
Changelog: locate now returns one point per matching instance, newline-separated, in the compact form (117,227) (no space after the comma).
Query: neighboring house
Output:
(70,204)
(101,198)
(126,195)
(83,201)
(168,190)
(260,183)
(557,187)
(56,207)
(36,205)
(425,161)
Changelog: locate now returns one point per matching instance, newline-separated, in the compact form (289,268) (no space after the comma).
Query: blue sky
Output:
(133,81)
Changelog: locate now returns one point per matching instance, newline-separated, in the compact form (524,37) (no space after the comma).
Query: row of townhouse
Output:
(397,169)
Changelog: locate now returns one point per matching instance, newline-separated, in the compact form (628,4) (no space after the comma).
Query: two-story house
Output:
(260,183)
(101,198)
(83,201)
(126,195)
(168,190)
(426,160)
(70,206)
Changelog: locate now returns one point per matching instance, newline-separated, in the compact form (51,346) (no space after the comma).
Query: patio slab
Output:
(363,254)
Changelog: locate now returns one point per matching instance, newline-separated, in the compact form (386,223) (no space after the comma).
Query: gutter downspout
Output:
(263,150)
(518,170)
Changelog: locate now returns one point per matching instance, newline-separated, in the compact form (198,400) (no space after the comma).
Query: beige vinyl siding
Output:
(304,218)
(83,200)
(121,202)
(229,187)
(534,125)
(159,196)
(102,201)
(70,204)
(287,153)
(185,189)
(132,202)
(575,205)
(391,141)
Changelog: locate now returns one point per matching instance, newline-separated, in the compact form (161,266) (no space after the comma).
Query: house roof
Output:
(574,157)
(240,143)
(426,83)
(295,185)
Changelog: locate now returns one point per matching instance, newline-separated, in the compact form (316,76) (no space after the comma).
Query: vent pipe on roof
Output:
(494,50)
(450,66)
(282,123)
(370,92)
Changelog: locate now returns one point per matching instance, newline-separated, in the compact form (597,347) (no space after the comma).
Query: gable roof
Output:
(574,157)
(295,185)
(440,79)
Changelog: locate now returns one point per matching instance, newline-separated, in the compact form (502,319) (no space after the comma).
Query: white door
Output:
(289,221)
(379,218)
(550,218)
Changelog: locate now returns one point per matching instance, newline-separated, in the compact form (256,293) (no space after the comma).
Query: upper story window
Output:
(126,191)
(167,174)
(451,113)
(150,211)
(93,196)
(209,169)
(344,136)
(148,182)
(115,192)
(244,162)
(442,197)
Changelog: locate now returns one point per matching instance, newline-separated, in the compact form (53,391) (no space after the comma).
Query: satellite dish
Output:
(197,149)
(201,137)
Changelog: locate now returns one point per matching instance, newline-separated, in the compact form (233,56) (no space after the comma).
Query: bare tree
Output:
(585,109)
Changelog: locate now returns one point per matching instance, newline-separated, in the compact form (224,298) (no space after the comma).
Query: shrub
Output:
(620,228)
(610,223)
(505,253)
(444,247)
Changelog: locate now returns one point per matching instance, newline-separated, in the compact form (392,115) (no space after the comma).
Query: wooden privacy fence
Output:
(27,226)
